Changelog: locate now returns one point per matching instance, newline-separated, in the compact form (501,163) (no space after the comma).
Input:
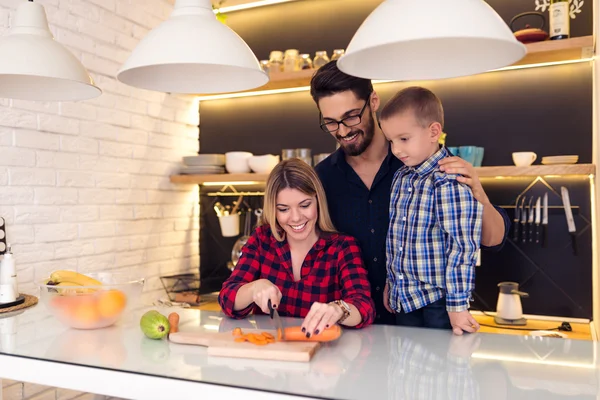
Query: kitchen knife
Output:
(545,222)
(531,219)
(523,221)
(569,214)
(276,321)
(516,222)
(538,218)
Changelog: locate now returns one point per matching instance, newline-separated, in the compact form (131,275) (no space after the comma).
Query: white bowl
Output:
(236,162)
(263,164)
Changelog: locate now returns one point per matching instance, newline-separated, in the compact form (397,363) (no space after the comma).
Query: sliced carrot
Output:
(295,334)
(268,335)
(237,332)
(259,339)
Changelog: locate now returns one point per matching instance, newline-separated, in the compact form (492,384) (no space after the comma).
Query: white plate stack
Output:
(204,164)
(552,160)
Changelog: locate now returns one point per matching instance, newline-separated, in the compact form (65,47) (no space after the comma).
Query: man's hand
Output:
(386,298)
(456,165)
(462,321)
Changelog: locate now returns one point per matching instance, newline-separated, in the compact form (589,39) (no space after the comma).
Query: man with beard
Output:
(357,177)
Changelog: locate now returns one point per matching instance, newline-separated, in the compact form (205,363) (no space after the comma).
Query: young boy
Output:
(435,222)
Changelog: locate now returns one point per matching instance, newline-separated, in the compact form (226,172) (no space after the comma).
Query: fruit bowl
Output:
(89,301)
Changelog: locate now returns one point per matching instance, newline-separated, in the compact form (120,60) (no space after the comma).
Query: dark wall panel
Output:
(546,110)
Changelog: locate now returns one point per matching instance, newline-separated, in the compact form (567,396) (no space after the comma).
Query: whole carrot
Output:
(295,334)
(174,322)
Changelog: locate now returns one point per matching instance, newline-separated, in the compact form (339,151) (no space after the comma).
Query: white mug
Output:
(7,294)
(524,158)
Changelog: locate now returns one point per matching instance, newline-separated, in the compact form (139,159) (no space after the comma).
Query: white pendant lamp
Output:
(192,53)
(430,39)
(34,66)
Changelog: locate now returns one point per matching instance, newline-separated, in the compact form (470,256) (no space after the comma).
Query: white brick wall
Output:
(85,185)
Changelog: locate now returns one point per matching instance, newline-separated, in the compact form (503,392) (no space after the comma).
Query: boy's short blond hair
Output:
(423,102)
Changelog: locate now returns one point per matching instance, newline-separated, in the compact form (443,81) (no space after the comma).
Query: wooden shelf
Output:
(224,178)
(541,52)
(558,50)
(532,170)
(537,170)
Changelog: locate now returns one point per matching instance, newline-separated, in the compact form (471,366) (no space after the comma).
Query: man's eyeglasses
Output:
(352,120)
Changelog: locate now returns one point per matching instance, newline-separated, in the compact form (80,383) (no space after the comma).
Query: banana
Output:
(73,277)
(73,288)
(67,283)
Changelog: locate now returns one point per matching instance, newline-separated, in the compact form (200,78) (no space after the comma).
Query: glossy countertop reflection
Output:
(378,362)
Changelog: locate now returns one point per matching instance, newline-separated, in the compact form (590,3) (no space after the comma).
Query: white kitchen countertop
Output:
(379,362)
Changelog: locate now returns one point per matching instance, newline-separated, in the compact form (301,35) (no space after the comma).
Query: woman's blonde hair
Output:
(294,174)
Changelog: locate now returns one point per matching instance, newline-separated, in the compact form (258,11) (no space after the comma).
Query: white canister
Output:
(8,272)
(7,294)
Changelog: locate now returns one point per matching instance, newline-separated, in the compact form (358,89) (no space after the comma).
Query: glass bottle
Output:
(559,19)
(337,53)
(305,61)
(276,61)
(290,61)
(320,59)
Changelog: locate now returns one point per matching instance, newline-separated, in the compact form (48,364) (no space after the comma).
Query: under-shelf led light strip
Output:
(254,4)
(306,88)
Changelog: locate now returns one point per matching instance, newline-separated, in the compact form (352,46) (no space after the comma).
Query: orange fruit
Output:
(86,313)
(111,303)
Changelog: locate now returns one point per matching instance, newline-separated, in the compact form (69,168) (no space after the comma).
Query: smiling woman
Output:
(296,260)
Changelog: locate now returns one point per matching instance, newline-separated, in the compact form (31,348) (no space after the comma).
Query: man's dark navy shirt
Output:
(357,211)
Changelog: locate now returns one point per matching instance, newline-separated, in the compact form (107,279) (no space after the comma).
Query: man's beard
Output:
(358,147)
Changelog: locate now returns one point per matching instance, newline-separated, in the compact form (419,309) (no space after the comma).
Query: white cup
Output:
(230,225)
(7,293)
(524,158)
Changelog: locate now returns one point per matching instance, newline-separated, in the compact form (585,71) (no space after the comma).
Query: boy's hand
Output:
(386,298)
(462,321)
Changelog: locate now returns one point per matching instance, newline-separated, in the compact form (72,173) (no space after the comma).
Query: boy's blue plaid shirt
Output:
(433,238)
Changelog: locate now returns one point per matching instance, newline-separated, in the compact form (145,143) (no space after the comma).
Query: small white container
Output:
(7,294)
(8,272)
(236,162)
(230,225)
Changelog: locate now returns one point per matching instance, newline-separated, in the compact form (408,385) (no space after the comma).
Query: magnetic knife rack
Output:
(551,209)
(231,191)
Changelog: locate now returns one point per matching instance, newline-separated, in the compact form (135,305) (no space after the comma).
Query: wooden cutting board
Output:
(223,345)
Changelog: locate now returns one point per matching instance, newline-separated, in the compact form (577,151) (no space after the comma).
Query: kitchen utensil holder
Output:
(230,225)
